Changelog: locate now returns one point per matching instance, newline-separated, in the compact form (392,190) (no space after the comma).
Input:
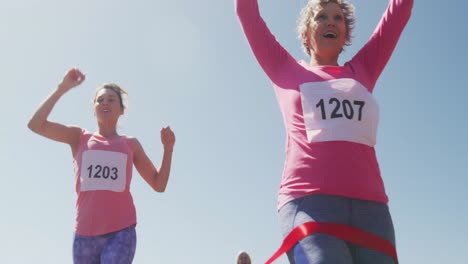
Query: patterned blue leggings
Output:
(113,248)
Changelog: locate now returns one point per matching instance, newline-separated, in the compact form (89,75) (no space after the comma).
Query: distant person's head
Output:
(243,258)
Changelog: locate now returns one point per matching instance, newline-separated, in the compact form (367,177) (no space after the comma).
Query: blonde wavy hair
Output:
(307,14)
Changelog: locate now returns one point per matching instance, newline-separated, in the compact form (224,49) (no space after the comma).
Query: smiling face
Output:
(310,21)
(108,105)
(326,34)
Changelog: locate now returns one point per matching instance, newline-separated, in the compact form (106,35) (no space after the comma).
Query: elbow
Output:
(159,189)
(159,182)
(158,186)
(33,127)
(409,9)
(236,7)
(240,8)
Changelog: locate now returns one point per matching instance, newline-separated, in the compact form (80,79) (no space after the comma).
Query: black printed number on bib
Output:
(341,108)
(98,171)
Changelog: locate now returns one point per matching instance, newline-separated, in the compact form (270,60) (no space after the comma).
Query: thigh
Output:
(316,248)
(88,249)
(120,249)
(375,218)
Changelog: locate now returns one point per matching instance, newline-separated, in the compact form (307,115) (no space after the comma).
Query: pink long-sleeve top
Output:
(329,112)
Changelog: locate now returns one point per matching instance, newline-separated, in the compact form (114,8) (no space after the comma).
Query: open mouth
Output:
(330,35)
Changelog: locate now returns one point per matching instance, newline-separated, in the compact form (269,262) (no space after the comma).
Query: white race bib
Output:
(103,170)
(341,109)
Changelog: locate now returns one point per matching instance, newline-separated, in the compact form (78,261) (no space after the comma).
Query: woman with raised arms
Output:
(331,173)
(103,163)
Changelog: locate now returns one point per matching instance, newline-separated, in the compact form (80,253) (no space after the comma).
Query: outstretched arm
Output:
(39,122)
(157,179)
(378,49)
(271,56)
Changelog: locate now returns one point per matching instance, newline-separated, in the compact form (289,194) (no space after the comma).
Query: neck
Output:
(107,131)
(316,60)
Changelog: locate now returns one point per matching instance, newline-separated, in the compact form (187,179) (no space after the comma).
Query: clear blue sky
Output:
(187,64)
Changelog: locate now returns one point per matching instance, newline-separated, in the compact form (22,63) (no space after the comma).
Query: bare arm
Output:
(157,179)
(39,122)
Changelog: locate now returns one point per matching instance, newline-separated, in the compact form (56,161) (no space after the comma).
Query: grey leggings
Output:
(369,216)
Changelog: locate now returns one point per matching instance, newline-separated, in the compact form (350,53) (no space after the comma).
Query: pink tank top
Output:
(103,173)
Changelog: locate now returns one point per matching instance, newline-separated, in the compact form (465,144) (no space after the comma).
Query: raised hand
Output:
(72,78)
(39,122)
(167,138)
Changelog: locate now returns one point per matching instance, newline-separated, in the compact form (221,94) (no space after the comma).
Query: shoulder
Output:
(79,134)
(131,139)
(76,132)
(134,143)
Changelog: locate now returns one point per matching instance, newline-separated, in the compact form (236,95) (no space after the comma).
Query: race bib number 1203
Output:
(103,170)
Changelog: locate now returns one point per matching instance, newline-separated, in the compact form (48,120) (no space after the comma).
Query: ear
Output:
(306,41)
(305,38)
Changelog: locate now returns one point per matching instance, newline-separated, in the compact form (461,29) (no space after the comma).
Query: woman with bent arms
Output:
(331,173)
(103,163)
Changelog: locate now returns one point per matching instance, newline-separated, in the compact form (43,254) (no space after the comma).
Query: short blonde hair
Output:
(307,14)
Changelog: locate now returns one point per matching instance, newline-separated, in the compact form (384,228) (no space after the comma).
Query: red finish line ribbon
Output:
(344,232)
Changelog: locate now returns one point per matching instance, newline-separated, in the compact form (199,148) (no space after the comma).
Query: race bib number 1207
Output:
(339,110)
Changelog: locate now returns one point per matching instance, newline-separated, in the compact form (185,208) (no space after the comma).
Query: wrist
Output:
(168,149)
(62,88)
